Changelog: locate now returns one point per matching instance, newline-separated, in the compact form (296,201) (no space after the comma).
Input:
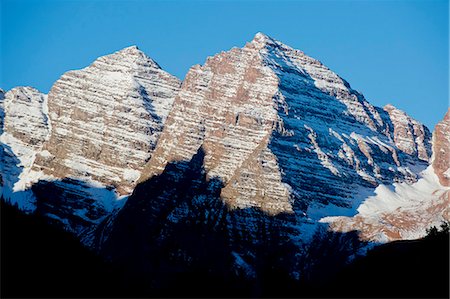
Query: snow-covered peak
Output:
(126,60)
(113,111)
(261,38)
(133,51)
(261,41)
(26,91)
(389,107)
(104,121)
(25,127)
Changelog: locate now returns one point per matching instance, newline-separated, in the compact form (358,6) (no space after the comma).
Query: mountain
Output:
(277,126)
(238,169)
(24,131)
(100,126)
(106,119)
(402,211)
(263,143)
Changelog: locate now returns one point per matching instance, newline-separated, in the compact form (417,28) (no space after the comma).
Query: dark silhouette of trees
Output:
(41,260)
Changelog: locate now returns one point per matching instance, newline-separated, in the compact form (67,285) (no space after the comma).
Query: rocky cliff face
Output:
(83,149)
(259,144)
(25,129)
(404,211)
(106,119)
(441,150)
(284,141)
(410,136)
(2,109)
(278,127)
(399,211)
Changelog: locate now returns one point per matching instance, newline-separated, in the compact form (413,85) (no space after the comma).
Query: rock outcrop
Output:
(2,109)
(441,150)
(284,142)
(106,119)
(278,127)
(260,138)
(405,211)
(410,136)
(398,212)
(25,129)
(76,154)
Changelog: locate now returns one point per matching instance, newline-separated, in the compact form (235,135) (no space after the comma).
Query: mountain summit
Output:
(277,126)
(259,144)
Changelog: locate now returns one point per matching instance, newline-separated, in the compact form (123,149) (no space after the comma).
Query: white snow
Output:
(388,198)
(131,175)
(414,207)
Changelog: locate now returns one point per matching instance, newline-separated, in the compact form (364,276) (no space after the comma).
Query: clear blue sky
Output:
(392,51)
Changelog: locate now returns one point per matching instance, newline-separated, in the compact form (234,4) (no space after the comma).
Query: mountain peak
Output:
(262,40)
(389,106)
(131,50)
(447,115)
(261,36)
(24,89)
(129,55)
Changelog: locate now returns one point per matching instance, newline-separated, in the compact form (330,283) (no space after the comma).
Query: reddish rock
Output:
(441,150)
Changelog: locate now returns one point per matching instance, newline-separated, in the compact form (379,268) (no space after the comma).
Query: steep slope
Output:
(24,131)
(410,136)
(106,119)
(278,126)
(81,149)
(2,109)
(441,150)
(404,211)
(285,141)
(399,211)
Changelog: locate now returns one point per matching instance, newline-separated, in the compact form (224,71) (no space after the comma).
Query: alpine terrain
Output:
(260,150)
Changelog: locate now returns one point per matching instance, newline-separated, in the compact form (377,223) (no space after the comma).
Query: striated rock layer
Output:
(441,150)
(410,136)
(2,109)
(404,211)
(278,127)
(106,119)
(284,142)
(258,145)
(398,212)
(76,154)
(25,128)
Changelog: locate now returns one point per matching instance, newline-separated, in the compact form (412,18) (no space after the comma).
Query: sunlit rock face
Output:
(284,142)
(441,150)
(76,154)
(284,133)
(410,136)
(106,119)
(405,211)
(400,211)
(25,128)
